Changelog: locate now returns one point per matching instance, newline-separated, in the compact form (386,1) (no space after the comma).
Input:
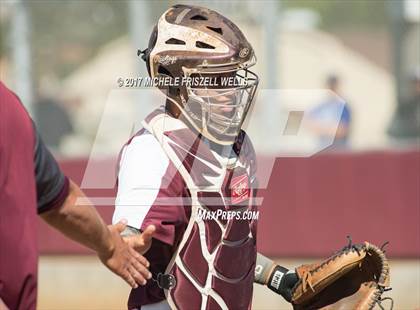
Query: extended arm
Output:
(83,224)
(57,198)
(80,223)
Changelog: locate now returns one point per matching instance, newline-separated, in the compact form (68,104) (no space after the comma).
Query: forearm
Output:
(264,269)
(81,223)
(277,278)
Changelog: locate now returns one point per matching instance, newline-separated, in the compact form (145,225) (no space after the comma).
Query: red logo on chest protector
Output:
(240,189)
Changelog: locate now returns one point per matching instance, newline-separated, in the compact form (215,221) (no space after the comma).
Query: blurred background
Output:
(356,175)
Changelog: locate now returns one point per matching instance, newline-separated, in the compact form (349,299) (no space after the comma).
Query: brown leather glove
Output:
(354,278)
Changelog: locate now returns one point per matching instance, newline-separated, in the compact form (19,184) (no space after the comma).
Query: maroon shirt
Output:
(30,182)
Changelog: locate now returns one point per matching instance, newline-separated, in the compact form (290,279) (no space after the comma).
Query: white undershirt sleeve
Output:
(142,167)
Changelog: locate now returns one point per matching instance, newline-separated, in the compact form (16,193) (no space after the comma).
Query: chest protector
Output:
(213,266)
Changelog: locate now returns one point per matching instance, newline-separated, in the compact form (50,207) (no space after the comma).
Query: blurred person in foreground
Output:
(323,118)
(191,171)
(31,182)
(406,124)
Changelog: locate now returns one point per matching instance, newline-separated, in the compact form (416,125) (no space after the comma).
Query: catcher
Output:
(190,159)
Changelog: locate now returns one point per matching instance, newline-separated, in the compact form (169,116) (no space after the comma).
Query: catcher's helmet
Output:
(191,43)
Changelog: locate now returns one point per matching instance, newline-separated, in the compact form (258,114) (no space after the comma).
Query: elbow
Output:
(63,210)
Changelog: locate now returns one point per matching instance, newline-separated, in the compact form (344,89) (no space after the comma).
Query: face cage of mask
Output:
(219,113)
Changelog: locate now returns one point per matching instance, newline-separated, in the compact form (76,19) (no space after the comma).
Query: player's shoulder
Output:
(10,104)
(14,119)
(143,138)
(143,149)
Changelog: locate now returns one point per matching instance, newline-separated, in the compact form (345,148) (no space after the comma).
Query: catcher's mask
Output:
(207,59)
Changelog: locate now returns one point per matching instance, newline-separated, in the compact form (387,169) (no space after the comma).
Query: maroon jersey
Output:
(30,182)
(154,189)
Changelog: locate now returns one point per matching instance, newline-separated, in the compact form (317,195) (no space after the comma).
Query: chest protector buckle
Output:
(165,281)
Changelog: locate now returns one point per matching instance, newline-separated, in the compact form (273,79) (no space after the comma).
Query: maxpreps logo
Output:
(227,215)
(240,189)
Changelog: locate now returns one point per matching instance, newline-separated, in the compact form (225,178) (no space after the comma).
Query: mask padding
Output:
(198,17)
(175,41)
(200,44)
(216,29)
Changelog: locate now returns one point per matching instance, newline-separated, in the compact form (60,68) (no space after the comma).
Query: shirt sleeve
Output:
(346,115)
(142,169)
(52,186)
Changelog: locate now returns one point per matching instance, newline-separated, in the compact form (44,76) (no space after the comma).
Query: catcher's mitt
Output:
(354,278)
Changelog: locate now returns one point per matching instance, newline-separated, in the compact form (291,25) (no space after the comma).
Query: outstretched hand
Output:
(141,242)
(123,258)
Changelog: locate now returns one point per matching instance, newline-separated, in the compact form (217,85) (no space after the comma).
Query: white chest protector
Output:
(213,266)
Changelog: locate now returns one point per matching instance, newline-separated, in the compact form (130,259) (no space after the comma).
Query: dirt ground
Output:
(82,283)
